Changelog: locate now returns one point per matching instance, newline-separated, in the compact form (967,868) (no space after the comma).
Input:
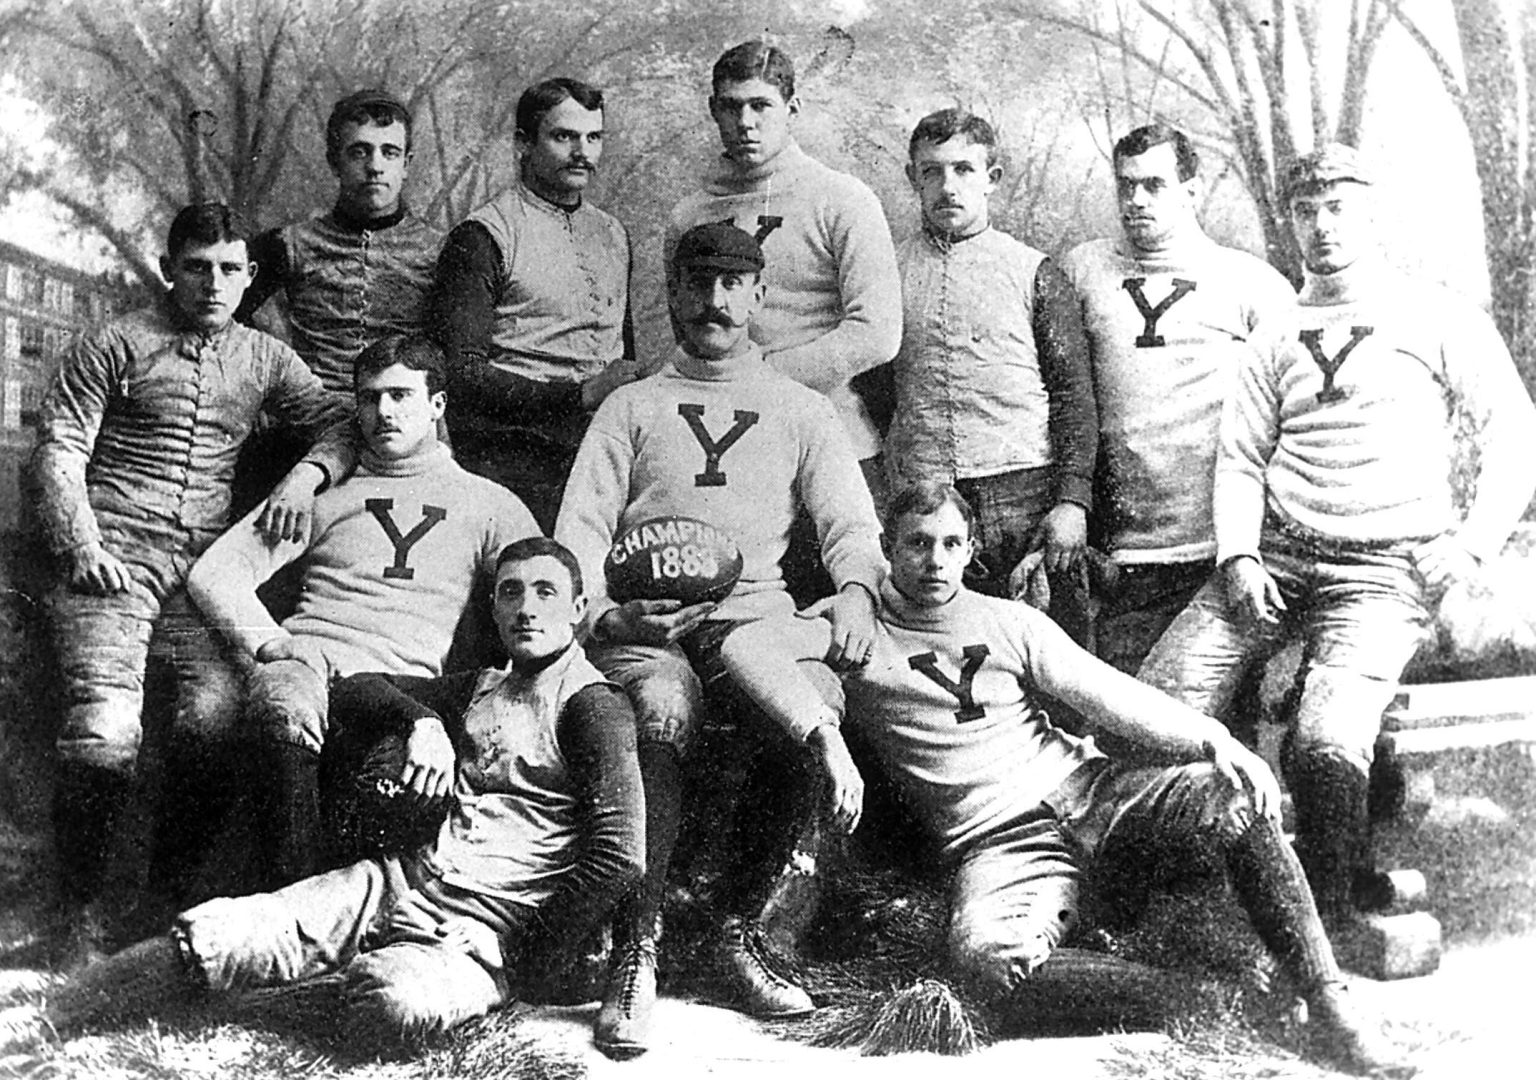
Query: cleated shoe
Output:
(1341,1032)
(753,978)
(623,1024)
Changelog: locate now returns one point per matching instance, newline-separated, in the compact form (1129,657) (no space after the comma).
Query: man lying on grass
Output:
(545,831)
(1023,811)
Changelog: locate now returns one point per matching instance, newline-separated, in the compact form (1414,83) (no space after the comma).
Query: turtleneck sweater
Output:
(1167,332)
(346,282)
(833,307)
(391,558)
(736,444)
(1345,426)
(950,698)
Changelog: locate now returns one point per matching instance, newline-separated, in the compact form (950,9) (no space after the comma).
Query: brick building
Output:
(43,304)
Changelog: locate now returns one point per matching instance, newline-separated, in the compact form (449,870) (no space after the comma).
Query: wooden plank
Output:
(1468,736)
(1420,705)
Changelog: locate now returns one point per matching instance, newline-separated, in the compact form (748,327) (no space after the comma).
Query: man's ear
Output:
(579,606)
(165,267)
(439,402)
(911,172)
(995,174)
(885,545)
(793,105)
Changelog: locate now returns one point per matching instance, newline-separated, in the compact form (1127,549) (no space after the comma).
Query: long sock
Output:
(1333,828)
(292,795)
(1272,888)
(661,777)
(124,986)
(86,806)
(1077,989)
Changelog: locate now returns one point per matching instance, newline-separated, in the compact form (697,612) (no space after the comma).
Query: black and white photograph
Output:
(621,539)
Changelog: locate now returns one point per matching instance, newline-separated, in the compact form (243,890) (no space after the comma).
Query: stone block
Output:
(1390,946)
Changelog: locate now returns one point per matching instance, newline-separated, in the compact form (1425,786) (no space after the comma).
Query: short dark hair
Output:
(365,107)
(539,98)
(940,127)
(415,351)
(531,547)
(1144,138)
(205,223)
(925,497)
(755,60)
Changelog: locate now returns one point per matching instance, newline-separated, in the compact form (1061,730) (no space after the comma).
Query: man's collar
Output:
(354,224)
(549,205)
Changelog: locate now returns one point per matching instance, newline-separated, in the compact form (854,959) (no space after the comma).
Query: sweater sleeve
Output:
(270,254)
(869,332)
(463,313)
(1111,700)
(835,495)
(1497,410)
(223,582)
(596,493)
(1250,430)
(596,732)
(296,396)
(371,705)
(1062,345)
(72,413)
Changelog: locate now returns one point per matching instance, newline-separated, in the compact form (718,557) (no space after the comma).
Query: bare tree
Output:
(1493,92)
(1252,69)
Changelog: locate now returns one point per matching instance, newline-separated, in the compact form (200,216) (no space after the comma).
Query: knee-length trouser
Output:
(418,956)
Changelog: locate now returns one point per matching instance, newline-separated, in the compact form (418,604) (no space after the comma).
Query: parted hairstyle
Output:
(940,127)
(531,547)
(1139,141)
(925,497)
(414,351)
(365,107)
(755,60)
(539,98)
(205,223)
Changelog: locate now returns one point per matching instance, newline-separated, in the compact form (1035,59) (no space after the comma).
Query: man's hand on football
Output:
(852,615)
(652,622)
(93,569)
(1252,593)
(847,786)
(429,760)
(286,513)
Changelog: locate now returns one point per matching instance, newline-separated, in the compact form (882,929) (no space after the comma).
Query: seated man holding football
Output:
(1023,811)
(543,837)
(716,437)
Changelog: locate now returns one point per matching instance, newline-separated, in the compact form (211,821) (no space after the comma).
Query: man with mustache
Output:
(718,435)
(342,280)
(532,304)
(1168,312)
(993,391)
(389,560)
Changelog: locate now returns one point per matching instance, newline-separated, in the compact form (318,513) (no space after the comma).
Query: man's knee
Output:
(395,1002)
(1339,714)
(662,687)
(102,733)
(1202,805)
(287,702)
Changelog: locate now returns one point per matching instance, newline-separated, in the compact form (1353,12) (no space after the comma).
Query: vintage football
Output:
(672,558)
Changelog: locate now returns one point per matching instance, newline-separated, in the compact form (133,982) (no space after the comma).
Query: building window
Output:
(84,309)
(34,342)
(34,287)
